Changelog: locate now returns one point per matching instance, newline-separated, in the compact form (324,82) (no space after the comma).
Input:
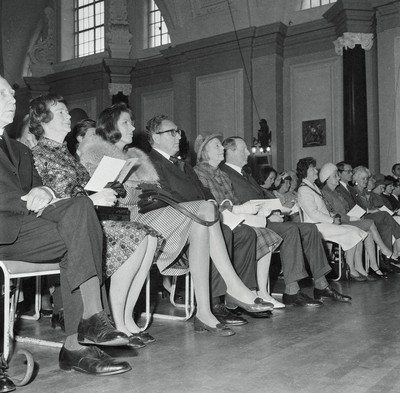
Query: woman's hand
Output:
(276,217)
(105,197)
(247,208)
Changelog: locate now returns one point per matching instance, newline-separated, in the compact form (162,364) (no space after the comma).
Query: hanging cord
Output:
(242,57)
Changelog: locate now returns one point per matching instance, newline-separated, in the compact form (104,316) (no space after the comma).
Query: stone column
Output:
(354,95)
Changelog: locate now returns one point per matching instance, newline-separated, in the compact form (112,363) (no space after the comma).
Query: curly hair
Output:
(303,165)
(39,112)
(153,126)
(107,126)
(358,170)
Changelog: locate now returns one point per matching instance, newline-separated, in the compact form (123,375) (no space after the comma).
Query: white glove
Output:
(105,197)
(246,208)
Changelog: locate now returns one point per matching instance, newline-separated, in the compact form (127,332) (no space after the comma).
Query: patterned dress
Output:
(60,171)
(220,185)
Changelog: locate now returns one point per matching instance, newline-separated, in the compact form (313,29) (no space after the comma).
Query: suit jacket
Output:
(17,178)
(348,195)
(244,189)
(183,186)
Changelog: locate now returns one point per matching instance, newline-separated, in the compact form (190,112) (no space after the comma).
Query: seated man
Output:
(182,183)
(297,237)
(37,228)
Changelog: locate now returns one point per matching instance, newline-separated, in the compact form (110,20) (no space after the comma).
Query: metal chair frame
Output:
(17,270)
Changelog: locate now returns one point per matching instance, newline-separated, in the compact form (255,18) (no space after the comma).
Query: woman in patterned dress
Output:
(210,154)
(130,247)
(114,131)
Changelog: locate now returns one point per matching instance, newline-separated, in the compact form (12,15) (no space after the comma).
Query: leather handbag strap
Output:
(186,212)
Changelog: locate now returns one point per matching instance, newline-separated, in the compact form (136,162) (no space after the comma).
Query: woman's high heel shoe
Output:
(219,330)
(378,273)
(259,304)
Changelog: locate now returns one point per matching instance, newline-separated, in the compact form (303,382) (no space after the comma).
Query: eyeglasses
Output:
(347,170)
(172,131)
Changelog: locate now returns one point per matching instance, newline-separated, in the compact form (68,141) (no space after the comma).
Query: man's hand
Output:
(37,198)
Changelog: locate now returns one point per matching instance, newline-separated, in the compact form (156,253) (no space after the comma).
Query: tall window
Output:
(306,4)
(89,27)
(158,32)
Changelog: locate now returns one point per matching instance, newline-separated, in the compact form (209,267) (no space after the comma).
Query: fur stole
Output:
(94,148)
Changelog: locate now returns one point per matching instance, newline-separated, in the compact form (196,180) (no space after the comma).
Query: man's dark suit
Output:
(296,237)
(347,194)
(241,242)
(68,231)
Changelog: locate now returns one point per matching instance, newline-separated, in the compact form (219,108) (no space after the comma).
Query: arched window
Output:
(307,4)
(157,29)
(89,27)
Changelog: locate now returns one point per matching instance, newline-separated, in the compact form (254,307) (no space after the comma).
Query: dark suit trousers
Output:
(70,232)
(241,247)
(299,239)
(386,225)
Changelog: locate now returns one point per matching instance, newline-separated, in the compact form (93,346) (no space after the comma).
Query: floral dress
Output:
(60,171)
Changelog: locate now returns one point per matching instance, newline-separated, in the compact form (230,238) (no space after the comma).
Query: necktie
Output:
(245,174)
(177,162)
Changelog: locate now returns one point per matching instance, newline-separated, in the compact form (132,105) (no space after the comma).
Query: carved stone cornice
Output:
(350,40)
(351,15)
(37,86)
(309,37)
(269,39)
(119,69)
(124,88)
(387,14)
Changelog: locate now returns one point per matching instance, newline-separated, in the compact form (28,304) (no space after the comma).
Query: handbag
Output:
(107,213)
(153,197)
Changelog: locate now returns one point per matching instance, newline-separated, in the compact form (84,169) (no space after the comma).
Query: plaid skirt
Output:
(267,241)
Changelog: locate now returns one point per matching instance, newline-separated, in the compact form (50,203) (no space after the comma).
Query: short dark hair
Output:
(39,112)
(264,172)
(107,126)
(153,126)
(79,129)
(303,165)
(340,165)
(230,143)
(394,166)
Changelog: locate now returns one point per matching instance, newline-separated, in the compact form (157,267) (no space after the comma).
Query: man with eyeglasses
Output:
(180,180)
(345,172)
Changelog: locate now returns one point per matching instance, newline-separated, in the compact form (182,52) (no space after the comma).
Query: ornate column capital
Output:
(124,88)
(350,40)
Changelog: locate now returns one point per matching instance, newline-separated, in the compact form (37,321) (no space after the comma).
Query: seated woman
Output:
(387,227)
(129,247)
(219,186)
(336,204)
(267,178)
(75,137)
(314,208)
(114,132)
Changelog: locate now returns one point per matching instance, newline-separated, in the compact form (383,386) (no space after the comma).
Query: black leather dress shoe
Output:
(98,329)
(6,385)
(263,314)
(300,299)
(220,330)
(91,360)
(135,342)
(330,293)
(226,317)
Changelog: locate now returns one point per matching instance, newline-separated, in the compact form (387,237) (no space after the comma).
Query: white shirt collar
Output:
(1,131)
(235,167)
(344,185)
(163,153)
